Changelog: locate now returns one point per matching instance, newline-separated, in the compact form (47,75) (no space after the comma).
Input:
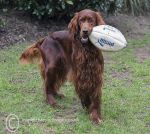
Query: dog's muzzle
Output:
(85,36)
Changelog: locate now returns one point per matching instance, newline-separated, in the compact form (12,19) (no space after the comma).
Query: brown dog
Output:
(70,52)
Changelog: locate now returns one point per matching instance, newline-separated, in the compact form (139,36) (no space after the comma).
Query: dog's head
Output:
(83,22)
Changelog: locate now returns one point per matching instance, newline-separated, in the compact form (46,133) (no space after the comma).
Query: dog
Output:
(69,55)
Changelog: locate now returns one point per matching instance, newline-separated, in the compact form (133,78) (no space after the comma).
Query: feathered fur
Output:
(32,55)
(63,54)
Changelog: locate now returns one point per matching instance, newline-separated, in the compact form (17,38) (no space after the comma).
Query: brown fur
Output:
(32,54)
(63,54)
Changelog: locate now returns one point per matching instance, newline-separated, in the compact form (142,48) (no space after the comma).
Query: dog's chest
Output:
(87,67)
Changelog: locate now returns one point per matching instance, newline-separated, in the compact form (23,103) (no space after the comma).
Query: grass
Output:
(125,102)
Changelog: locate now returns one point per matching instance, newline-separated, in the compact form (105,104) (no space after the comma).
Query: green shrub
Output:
(137,7)
(5,3)
(2,23)
(48,8)
(61,8)
(66,8)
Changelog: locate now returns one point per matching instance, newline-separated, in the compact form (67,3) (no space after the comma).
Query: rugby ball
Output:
(107,38)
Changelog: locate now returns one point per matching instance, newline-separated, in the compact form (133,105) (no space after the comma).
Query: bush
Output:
(137,7)
(5,3)
(48,8)
(2,23)
(60,8)
(66,8)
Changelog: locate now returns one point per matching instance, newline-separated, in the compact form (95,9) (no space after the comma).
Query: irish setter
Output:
(70,55)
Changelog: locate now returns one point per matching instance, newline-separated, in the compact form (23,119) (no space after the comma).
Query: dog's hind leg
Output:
(55,76)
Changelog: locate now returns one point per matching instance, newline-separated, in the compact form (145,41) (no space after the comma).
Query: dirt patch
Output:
(107,58)
(130,26)
(142,53)
(21,28)
(125,76)
(121,75)
(67,114)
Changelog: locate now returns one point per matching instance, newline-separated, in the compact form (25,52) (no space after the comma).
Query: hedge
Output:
(66,8)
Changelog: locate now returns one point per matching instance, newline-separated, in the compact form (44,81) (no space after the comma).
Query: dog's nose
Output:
(85,31)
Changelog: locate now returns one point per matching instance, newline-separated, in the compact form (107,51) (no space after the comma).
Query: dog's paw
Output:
(59,95)
(94,117)
(96,120)
(51,100)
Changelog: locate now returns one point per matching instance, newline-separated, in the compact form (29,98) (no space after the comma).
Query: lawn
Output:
(125,101)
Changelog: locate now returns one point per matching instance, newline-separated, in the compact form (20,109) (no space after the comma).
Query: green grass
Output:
(125,102)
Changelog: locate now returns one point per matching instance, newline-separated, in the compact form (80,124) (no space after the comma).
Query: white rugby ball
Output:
(107,38)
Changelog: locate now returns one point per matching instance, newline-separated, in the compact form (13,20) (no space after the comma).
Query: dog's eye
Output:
(82,20)
(90,20)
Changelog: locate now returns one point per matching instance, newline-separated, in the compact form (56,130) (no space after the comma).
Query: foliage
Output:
(2,23)
(46,8)
(137,7)
(63,8)
(4,3)
(66,8)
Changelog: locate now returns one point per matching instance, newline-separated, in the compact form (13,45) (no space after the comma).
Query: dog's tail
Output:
(32,55)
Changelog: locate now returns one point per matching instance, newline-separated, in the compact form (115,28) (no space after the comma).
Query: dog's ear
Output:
(99,19)
(73,25)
